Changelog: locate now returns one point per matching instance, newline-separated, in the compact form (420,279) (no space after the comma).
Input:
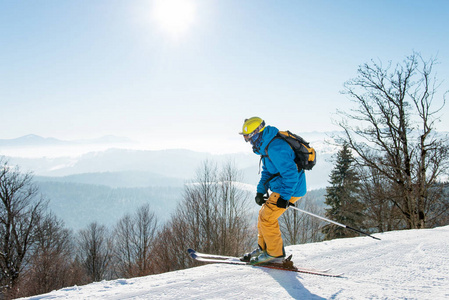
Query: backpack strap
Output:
(266,148)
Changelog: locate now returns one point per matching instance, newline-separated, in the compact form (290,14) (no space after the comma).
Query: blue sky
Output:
(84,69)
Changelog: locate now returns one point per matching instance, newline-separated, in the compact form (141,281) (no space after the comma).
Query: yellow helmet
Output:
(251,127)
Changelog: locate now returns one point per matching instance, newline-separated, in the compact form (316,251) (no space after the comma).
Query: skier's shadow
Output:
(290,282)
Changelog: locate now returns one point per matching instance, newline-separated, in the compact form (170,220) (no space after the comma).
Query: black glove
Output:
(282,203)
(260,199)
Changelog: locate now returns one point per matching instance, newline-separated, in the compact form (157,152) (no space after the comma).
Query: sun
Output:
(174,16)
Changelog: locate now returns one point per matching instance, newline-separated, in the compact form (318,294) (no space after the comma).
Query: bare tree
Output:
(234,220)
(376,193)
(123,248)
(134,240)
(300,228)
(394,132)
(201,200)
(94,250)
(171,244)
(50,265)
(20,211)
(212,217)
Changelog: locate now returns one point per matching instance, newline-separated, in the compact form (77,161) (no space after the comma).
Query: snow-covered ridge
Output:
(412,264)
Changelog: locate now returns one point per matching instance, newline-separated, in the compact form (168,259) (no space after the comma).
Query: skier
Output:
(279,174)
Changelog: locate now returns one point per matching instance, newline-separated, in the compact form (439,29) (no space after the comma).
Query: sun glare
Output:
(174,16)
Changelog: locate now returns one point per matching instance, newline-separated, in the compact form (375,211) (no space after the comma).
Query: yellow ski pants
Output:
(269,233)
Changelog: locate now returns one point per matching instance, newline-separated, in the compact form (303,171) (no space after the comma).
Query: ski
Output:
(221,259)
(201,256)
(190,251)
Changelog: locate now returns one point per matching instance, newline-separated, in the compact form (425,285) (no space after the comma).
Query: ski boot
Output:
(247,256)
(265,258)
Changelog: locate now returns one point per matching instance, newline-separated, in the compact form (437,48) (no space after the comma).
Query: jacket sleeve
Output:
(282,157)
(262,187)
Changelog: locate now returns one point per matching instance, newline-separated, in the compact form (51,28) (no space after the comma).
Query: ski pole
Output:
(330,221)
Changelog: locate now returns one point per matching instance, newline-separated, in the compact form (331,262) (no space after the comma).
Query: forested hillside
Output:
(79,204)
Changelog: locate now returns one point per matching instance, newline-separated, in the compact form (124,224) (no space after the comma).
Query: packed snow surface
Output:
(411,264)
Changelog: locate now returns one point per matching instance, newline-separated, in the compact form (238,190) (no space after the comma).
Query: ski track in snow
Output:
(412,264)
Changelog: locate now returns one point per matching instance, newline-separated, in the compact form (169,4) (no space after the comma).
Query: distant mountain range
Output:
(125,179)
(122,166)
(35,140)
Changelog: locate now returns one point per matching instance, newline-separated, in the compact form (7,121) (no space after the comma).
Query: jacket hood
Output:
(267,135)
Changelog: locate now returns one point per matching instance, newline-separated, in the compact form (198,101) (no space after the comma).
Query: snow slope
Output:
(412,264)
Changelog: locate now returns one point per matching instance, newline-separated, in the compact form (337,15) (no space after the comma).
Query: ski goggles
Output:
(250,137)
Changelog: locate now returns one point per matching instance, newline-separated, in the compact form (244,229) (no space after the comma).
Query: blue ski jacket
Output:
(289,183)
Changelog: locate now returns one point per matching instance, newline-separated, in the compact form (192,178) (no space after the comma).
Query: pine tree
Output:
(342,198)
